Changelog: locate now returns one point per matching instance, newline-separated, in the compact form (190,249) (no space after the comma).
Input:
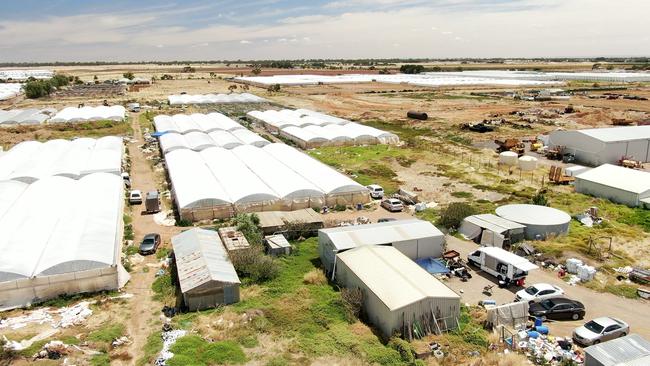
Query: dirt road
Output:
(142,318)
(597,304)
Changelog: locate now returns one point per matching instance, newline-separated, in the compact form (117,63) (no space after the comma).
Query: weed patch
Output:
(194,350)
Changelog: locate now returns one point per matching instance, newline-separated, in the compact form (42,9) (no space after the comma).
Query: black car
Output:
(557,308)
(149,244)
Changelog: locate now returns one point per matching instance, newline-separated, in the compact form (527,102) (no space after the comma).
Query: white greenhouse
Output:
(30,116)
(182,123)
(8,91)
(85,114)
(180,99)
(599,146)
(618,184)
(60,236)
(30,161)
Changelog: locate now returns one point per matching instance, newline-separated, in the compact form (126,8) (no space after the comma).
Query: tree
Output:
(129,75)
(454,213)
(166,77)
(188,69)
(232,88)
(38,89)
(274,88)
(257,69)
(95,77)
(411,69)
(540,198)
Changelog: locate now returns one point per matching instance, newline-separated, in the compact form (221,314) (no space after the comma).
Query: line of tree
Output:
(42,88)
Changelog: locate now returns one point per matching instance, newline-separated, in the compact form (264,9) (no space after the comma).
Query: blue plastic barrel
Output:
(542,329)
(533,334)
(538,321)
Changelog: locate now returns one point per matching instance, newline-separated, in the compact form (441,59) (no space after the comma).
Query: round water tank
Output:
(508,158)
(540,221)
(527,163)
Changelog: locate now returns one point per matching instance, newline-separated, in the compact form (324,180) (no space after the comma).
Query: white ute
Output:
(539,292)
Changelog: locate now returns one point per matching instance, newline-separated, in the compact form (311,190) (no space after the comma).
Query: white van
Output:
(376,191)
(507,267)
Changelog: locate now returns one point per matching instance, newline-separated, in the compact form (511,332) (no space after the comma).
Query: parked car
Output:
(135,197)
(127,180)
(376,191)
(392,204)
(538,292)
(557,308)
(386,219)
(600,330)
(149,244)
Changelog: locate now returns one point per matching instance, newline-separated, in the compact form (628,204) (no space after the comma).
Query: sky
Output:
(146,30)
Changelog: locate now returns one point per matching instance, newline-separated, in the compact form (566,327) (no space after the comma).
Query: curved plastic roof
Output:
(30,116)
(225,139)
(48,230)
(193,183)
(241,184)
(182,123)
(33,160)
(303,135)
(213,98)
(172,141)
(250,138)
(325,178)
(279,177)
(73,114)
(533,214)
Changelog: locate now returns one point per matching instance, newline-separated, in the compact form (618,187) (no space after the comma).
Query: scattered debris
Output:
(120,341)
(169,338)
(165,218)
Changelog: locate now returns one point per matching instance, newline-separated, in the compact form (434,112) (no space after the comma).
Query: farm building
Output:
(492,230)
(85,114)
(414,238)
(206,276)
(217,183)
(397,292)
(540,221)
(618,184)
(277,245)
(632,350)
(180,99)
(272,222)
(76,245)
(29,161)
(206,123)
(233,239)
(605,145)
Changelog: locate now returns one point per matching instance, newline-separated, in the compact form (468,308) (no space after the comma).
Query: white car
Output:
(539,292)
(392,204)
(376,191)
(600,330)
(135,197)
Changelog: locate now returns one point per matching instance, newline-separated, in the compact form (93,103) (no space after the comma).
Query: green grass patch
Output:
(33,349)
(107,333)
(101,359)
(248,341)
(130,249)
(146,121)
(194,350)
(618,289)
(70,340)
(162,253)
(163,288)
(151,349)
(462,194)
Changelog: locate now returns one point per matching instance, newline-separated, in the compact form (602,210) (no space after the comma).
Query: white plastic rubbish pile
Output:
(169,338)
(583,271)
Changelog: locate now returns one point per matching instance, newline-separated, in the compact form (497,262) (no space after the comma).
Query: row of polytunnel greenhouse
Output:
(309,129)
(31,116)
(180,99)
(183,123)
(216,182)
(85,114)
(198,141)
(30,161)
(60,236)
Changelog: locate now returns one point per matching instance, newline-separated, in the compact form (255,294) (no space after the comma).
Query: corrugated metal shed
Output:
(271,221)
(618,177)
(616,134)
(348,237)
(201,258)
(233,239)
(617,351)
(277,244)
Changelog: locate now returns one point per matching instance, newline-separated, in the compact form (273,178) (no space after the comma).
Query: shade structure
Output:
(214,98)
(30,116)
(76,245)
(540,221)
(182,123)
(86,114)
(597,146)
(206,276)
(396,291)
(32,160)
(621,185)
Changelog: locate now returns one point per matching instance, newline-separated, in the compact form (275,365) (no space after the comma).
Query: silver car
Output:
(392,204)
(600,330)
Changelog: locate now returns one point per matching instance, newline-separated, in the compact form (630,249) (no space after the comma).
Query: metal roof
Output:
(618,177)
(347,237)
(619,351)
(494,223)
(277,241)
(395,279)
(201,258)
(508,257)
(618,134)
(280,218)
(233,239)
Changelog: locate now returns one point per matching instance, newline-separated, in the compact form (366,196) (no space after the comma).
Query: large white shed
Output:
(618,184)
(414,238)
(397,292)
(598,146)
(492,230)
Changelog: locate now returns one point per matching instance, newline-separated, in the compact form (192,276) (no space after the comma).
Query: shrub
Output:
(352,302)
(411,69)
(248,224)
(253,264)
(404,348)
(540,198)
(194,350)
(184,223)
(314,277)
(453,215)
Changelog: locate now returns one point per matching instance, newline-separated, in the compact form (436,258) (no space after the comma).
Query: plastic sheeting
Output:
(33,160)
(8,91)
(85,114)
(214,98)
(25,74)
(182,123)
(199,141)
(22,117)
(60,225)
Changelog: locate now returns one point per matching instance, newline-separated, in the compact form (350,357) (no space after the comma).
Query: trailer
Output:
(507,267)
(152,202)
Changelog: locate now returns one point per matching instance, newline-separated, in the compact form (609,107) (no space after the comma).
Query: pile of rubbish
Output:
(63,318)
(590,217)
(165,218)
(544,349)
(117,342)
(583,271)
(169,338)
(53,350)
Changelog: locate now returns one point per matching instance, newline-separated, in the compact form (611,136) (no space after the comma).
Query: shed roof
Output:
(278,218)
(617,134)
(201,258)
(277,241)
(493,222)
(395,279)
(618,177)
(348,237)
(620,350)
